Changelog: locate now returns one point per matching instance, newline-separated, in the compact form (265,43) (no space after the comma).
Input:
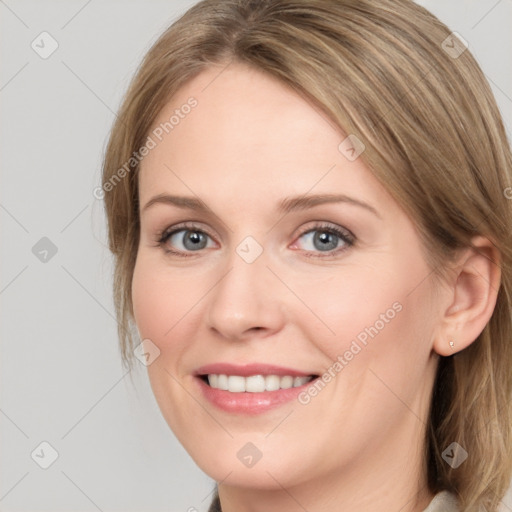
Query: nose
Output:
(247,300)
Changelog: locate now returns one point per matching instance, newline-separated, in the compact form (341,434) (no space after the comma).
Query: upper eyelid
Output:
(316,226)
(180,227)
(340,231)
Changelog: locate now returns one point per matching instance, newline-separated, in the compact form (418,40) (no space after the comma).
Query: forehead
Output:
(252,134)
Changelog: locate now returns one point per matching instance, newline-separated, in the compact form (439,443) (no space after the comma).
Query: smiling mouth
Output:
(254,383)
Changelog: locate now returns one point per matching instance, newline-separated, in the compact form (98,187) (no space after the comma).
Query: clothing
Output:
(443,501)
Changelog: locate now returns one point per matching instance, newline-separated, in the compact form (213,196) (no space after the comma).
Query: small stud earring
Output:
(452,344)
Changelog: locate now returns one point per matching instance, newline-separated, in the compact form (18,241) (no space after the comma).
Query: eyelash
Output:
(346,237)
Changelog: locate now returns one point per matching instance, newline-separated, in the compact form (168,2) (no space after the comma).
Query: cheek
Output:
(148,303)
(159,300)
(160,305)
(378,315)
(351,304)
(375,333)
(168,310)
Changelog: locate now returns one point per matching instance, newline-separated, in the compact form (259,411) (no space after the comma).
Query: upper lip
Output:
(247,370)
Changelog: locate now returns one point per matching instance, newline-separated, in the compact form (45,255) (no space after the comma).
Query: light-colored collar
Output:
(443,501)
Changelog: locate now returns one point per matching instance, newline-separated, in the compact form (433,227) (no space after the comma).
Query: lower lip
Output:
(249,403)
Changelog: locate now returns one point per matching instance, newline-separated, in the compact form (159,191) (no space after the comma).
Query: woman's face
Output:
(270,286)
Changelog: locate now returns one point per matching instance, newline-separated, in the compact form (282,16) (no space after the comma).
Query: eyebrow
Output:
(287,205)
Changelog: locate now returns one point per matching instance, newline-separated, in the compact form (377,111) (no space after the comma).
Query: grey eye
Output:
(190,240)
(321,240)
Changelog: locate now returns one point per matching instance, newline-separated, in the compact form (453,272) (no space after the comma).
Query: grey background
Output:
(61,377)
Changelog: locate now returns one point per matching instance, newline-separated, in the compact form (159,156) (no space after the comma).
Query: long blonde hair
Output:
(391,73)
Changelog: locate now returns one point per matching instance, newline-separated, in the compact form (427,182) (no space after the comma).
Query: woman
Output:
(309,208)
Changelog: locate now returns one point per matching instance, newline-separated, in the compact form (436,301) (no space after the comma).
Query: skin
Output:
(250,142)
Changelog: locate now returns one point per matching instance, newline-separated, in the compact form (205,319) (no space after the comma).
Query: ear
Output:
(473,297)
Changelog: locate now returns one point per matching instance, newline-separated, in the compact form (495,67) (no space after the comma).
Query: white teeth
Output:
(255,383)
(213,380)
(236,384)
(286,382)
(272,383)
(300,381)
(222,382)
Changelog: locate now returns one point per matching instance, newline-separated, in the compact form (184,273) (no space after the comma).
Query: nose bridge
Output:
(246,297)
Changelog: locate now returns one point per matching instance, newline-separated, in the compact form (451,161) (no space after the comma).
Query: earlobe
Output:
(474,294)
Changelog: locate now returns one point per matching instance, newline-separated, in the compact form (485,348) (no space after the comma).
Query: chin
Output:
(236,463)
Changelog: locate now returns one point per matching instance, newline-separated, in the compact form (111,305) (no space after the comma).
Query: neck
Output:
(393,477)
